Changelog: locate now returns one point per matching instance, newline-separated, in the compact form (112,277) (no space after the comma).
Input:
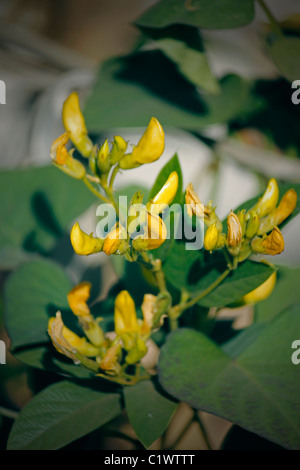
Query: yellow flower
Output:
(115,241)
(148,309)
(154,236)
(234,235)
(137,352)
(165,195)
(261,292)
(285,208)
(125,314)
(194,205)
(63,160)
(269,199)
(84,244)
(80,344)
(149,148)
(78,297)
(273,244)
(211,238)
(110,362)
(74,123)
(55,330)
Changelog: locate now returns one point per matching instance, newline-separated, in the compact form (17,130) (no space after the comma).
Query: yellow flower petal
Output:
(74,123)
(261,292)
(234,235)
(125,314)
(84,244)
(78,297)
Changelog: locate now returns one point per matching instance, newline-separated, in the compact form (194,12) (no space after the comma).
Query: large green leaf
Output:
(215,14)
(38,205)
(60,414)
(148,410)
(33,293)
(130,90)
(285,52)
(195,271)
(258,389)
(182,45)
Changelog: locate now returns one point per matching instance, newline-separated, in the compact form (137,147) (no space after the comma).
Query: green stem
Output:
(95,192)
(274,23)
(178,309)
(8,413)
(113,176)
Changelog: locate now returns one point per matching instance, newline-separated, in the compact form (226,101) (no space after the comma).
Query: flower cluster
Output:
(249,231)
(108,353)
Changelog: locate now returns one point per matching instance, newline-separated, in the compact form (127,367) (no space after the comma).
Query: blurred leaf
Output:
(194,271)
(182,45)
(34,293)
(149,412)
(60,414)
(215,14)
(258,388)
(130,90)
(285,52)
(285,294)
(40,203)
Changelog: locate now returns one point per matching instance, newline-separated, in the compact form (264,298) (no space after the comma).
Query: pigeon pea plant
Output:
(106,352)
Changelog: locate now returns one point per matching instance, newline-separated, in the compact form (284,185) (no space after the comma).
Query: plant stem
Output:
(94,191)
(274,23)
(8,413)
(178,309)
(113,175)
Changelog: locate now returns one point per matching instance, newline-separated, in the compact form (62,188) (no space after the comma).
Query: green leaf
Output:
(45,358)
(258,389)
(34,293)
(285,52)
(60,414)
(182,45)
(148,410)
(285,294)
(40,205)
(215,14)
(195,271)
(147,84)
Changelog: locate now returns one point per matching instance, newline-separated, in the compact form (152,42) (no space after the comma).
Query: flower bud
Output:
(149,148)
(269,199)
(252,224)
(74,123)
(234,235)
(125,314)
(80,344)
(103,158)
(165,196)
(118,150)
(84,244)
(137,352)
(194,205)
(242,219)
(211,238)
